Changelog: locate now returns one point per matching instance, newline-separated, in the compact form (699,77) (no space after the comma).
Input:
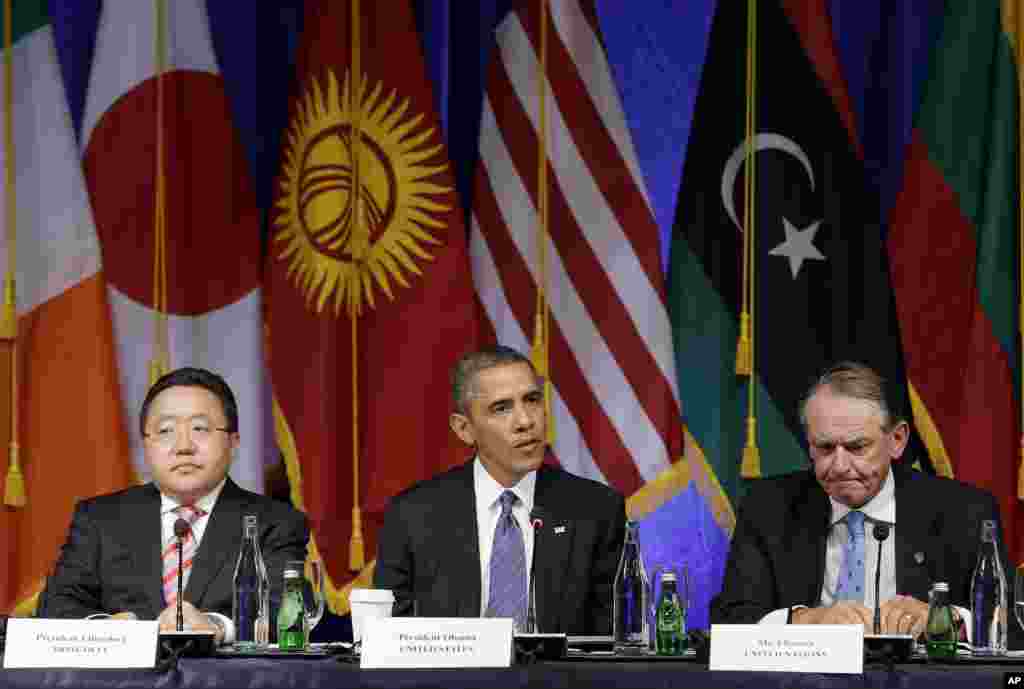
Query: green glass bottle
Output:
(941,630)
(670,625)
(291,618)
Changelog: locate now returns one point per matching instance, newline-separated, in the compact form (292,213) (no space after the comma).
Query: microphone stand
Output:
(176,644)
(536,523)
(181,529)
(887,648)
(533,645)
(881,532)
(180,620)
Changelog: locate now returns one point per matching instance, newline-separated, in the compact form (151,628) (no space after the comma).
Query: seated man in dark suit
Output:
(461,544)
(795,554)
(120,557)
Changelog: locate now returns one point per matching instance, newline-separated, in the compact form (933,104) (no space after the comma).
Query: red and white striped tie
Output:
(190,513)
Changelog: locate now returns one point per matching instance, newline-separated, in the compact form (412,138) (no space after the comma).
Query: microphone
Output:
(181,529)
(881,532)
(889,648)
(537,517)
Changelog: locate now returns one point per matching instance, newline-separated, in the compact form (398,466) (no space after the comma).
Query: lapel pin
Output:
(559,529)
(919,558)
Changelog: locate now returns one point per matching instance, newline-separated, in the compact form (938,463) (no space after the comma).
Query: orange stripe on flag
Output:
(73,435)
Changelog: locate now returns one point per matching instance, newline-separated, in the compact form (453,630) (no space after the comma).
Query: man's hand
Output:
(193,621)
(904,615)
(845,612)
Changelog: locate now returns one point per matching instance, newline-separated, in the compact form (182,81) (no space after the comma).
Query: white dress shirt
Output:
(488,509)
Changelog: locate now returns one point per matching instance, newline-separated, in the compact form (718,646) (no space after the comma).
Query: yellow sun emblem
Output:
(341,244)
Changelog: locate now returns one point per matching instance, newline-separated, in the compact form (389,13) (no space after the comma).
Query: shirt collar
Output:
(488,490)
(881,508)
(205,503)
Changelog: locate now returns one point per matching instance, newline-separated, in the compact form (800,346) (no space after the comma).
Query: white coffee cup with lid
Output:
(367,603)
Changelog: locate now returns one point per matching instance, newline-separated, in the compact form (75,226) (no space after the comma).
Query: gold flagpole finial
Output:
(15,494)
(751,467)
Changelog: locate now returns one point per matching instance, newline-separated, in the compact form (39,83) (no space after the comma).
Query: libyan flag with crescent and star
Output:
(821,287)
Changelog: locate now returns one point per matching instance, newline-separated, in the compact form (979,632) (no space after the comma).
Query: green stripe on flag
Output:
(28,15)
(970,128)
(705,334)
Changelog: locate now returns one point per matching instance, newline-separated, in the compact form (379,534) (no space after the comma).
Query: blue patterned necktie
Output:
(851,576)
(507,596)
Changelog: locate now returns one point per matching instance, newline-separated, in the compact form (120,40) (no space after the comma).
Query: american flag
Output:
(615,403)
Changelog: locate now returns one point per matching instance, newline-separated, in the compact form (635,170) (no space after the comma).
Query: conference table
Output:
(256,673)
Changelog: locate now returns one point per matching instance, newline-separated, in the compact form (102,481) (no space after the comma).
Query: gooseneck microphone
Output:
(537,517)
(881,532)
(181,529)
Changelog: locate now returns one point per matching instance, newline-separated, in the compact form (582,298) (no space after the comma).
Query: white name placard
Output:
(445,642)
(80,643)
(818,648)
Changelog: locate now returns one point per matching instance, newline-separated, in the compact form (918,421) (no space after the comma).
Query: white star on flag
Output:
(799,245)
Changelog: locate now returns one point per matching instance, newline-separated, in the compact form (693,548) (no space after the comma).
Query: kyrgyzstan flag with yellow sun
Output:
(370,299)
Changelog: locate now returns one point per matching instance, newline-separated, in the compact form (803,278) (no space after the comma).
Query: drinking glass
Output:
(313,594)
(1018,594)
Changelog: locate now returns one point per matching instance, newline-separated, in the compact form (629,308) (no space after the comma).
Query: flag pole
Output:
(540,351)
(751,465)
(356,548)
(159,364)
(14,493)
(743,351)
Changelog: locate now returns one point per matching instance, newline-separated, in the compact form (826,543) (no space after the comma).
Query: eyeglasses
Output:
(166,434)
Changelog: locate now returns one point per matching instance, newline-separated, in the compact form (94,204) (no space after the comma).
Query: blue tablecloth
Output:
(257,673)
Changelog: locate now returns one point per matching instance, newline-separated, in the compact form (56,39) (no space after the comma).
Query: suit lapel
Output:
(462,562)
(915,517)
(808,548)
(150,542)
(551,548)
(220,540)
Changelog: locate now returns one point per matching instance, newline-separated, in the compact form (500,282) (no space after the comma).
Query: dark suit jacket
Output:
(428,550)
(111,559)
(777,558)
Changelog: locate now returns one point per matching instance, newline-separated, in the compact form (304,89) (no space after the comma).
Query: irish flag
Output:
(70,427)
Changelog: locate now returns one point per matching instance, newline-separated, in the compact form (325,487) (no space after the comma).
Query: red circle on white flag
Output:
(212,221)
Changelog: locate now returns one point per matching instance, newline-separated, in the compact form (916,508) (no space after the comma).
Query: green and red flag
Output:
(954,243)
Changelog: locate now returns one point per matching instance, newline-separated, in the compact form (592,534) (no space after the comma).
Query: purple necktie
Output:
(507,596)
